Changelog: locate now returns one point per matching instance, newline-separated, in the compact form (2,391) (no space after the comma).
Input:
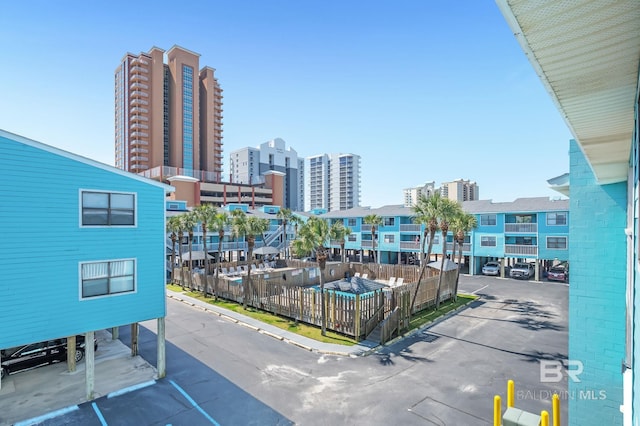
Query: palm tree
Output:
(375,221)
(427,211)
(448,211)
(339,232)
(188,223)
(312,237)
(204,213)
(296,221)
(219,224)
(285,216)
(461,224)
(180,232)
(173,226)
(249,227)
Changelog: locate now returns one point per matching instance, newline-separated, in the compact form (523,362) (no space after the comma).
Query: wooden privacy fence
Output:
(295,294)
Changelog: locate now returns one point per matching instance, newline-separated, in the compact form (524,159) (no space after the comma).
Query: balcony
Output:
(136,93)
(365,228)
(139,109)
(139,61)
(138,117)
(410,228)
(140,134)
(367,244)
(520,249)
(138,142)
(139,77)
(138,68)
(139,151)
(521,227)
(138,101)
(139,158)
(409,245)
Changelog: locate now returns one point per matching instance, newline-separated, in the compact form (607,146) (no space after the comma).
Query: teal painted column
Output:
(597,255)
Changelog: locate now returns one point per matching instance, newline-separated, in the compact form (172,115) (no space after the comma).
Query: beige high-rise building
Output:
(168,116)
(460,190)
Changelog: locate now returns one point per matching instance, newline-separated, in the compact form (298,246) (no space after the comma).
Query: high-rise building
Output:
(332,182)
(411,195)
(168,116)
(460,190)
(251,165)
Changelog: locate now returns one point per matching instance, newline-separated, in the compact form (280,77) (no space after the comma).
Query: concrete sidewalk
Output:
(362,348)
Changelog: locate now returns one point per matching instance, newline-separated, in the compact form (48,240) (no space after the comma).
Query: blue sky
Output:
(421,90)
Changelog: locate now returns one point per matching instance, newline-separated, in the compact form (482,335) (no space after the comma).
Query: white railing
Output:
(520,249)
(521,227)
(410,228)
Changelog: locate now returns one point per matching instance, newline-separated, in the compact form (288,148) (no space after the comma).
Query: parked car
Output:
(522,270)
(491,268)
(37,354)
(559,272)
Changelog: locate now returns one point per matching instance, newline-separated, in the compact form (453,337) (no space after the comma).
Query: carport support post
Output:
(115,331)
(134,339)
(162,365)
(71,351)
(502,268)
(537,273)
(89,353)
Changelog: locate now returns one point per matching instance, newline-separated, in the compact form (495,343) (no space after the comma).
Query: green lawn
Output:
(311,331)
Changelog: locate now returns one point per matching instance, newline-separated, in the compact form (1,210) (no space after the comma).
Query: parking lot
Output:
(445,374)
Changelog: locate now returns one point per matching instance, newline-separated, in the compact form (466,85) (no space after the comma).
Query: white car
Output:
(522,270)
(491,268)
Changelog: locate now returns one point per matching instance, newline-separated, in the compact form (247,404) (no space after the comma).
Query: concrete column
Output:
(134,339)
(71,353)
(115,333)
(89,355)
(502,267)
(537,273)
(162,364)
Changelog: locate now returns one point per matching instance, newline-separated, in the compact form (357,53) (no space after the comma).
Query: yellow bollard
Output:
(544,418)
(510,394)
(497,411)
(556,409)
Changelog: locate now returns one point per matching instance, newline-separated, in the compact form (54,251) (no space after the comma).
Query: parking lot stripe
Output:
(48,416)
(103,422)
(131,389)
(186,395)
(481,288)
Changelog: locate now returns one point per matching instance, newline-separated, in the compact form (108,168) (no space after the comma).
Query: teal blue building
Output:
(83,245)
(587,56)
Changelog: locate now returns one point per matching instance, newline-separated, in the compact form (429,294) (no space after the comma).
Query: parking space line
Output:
(186,395)
(474,292)
(48,416)
(131,389)
(103,422)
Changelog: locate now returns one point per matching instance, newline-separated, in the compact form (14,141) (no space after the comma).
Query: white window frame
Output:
(566,243)
(389,238)
(487,237)
(121,293)
(566,219)
(488,216)
(102,191)
(389,221)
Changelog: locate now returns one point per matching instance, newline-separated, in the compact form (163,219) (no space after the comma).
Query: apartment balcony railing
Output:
(139,69)
(366,228)
(366,244)
(520,249)
(521,227)
(409,245)
(138,101)
(140,93)
(410,228)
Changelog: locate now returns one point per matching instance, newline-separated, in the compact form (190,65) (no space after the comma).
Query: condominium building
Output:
(253,166)
(460,190)
(411,195)
(168,115)
(331,182)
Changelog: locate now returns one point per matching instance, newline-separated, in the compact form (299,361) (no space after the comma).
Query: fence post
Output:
(313,306)
(301,304)
(357,317)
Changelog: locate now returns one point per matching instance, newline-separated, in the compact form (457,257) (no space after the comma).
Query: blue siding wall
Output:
(43,245)
(597,254)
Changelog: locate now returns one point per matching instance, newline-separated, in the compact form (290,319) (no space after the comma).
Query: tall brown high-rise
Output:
(168,116)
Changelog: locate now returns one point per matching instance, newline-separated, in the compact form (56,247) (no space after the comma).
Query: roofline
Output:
(85,160)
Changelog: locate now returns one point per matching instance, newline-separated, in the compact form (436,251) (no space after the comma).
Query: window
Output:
(559,218)
(558,243)
(389,238)
(108,209)
(352,237)
(105,278)
(389,221)
(488,219)
(351,222)
(488,241)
